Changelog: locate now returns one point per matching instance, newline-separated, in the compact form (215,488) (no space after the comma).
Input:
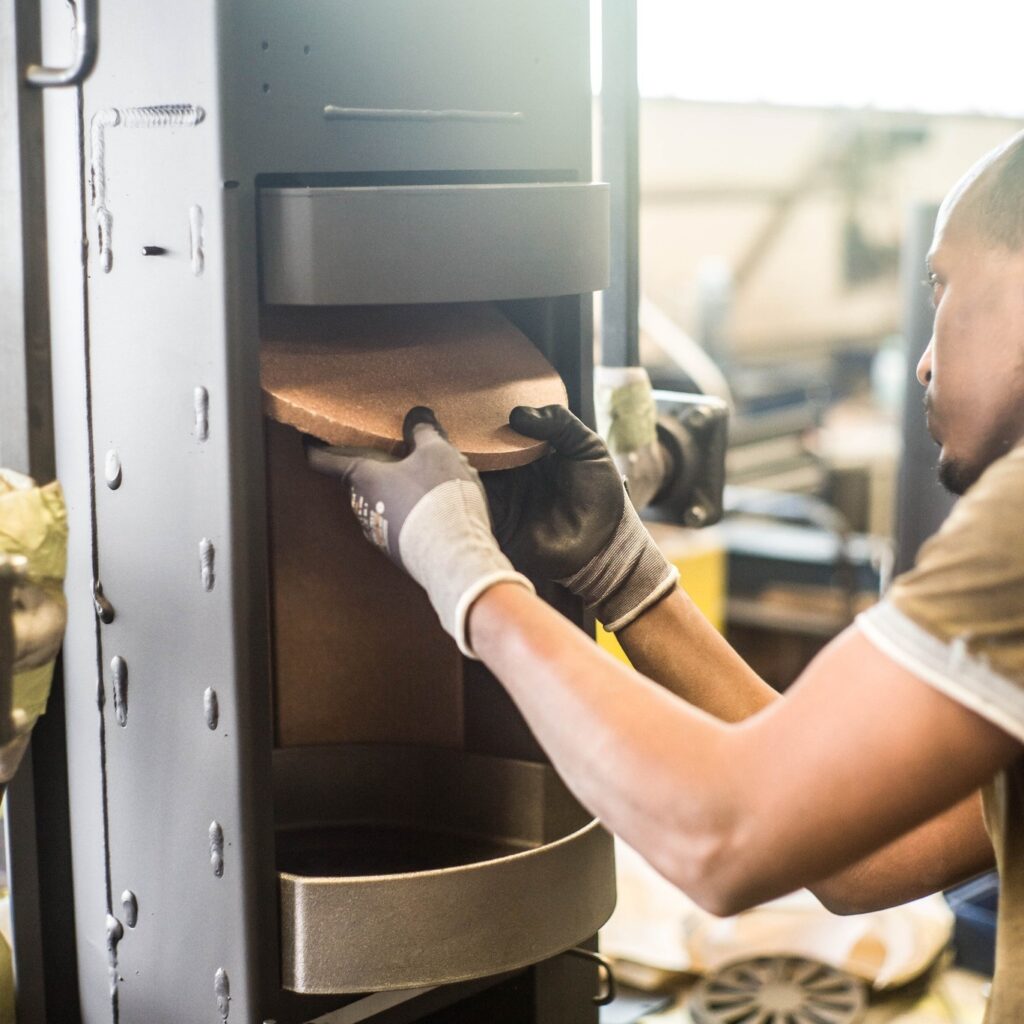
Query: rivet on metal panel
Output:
(217,848)
(206,556)
(222,990)
(112,469)
(119,671)
(104,609)
(115,932)
(201,400)
(130,906)
(195,239)
(212,707)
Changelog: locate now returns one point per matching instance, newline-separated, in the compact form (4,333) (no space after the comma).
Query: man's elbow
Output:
(846,897)
(842,904)
(713,872)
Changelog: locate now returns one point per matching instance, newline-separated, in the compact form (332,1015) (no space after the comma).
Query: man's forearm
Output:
(675,645)
(950,848)
(617,739)
(737,813)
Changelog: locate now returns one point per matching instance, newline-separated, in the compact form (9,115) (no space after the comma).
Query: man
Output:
(893,767)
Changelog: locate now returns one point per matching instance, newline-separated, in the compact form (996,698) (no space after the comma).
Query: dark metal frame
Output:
(620,167)
(922,504)
(26,445)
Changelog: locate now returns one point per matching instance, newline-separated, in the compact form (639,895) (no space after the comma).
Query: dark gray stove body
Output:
(158,161)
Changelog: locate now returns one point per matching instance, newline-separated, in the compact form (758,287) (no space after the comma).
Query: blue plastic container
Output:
(975,904)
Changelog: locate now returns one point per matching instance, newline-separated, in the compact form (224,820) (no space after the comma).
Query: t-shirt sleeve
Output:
(956,620)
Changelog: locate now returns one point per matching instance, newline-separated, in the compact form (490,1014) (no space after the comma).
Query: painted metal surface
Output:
(432,243)
(154,309)
(491,866)
(620,167)
(65,205)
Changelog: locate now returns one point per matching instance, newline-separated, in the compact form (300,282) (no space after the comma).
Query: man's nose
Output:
(924,366)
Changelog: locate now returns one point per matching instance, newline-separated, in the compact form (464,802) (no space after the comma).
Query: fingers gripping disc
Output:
(348,376)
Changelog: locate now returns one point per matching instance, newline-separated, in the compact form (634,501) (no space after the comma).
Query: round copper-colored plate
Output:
(348,375)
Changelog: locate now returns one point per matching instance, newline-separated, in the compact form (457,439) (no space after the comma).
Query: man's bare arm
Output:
(677,647)
(857,754)
(949,849)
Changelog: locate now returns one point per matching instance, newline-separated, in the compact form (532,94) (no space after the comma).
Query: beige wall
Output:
(711,175)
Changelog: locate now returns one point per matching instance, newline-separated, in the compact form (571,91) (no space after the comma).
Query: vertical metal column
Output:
(26,419)
(922,504)
(620,167)
(26,409)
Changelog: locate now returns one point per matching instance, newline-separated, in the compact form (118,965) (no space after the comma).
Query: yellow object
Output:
(6,983)
(33,523)
(700,557)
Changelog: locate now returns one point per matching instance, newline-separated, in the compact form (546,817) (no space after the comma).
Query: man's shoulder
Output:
(1007,472)
(956,620)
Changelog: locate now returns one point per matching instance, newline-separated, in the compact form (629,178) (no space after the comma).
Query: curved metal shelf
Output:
(486,865)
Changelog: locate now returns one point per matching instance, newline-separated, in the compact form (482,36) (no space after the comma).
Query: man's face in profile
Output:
(973,368)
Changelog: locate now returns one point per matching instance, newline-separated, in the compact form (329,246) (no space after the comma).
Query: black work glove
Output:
(567,518)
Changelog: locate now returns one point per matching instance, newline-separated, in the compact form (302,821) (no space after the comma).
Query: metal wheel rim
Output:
(778,990)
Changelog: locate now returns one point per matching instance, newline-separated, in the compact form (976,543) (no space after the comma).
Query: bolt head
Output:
(697,418)
(695,516)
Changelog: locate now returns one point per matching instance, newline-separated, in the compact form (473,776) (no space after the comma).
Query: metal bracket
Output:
(86,50)
(606,994)
(692,431)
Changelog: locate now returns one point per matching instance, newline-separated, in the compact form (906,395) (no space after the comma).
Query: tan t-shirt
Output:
(956,620)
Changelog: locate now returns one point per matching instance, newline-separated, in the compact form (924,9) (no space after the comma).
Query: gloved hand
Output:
(567,518)
(428,513)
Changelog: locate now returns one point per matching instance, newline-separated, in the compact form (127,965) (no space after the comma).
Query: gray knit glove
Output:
(428,513)
(568,518)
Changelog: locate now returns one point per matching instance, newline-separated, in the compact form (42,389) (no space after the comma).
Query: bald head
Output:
(989,199)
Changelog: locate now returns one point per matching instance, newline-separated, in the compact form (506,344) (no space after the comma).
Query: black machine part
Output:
(692,435)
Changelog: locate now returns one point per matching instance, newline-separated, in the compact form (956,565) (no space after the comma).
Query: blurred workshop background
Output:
(792,158)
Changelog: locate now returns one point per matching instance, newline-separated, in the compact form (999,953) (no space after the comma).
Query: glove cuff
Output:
(627,577)
(448,548)
(460,626)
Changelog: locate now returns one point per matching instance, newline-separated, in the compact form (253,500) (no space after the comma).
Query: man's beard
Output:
(955,476)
